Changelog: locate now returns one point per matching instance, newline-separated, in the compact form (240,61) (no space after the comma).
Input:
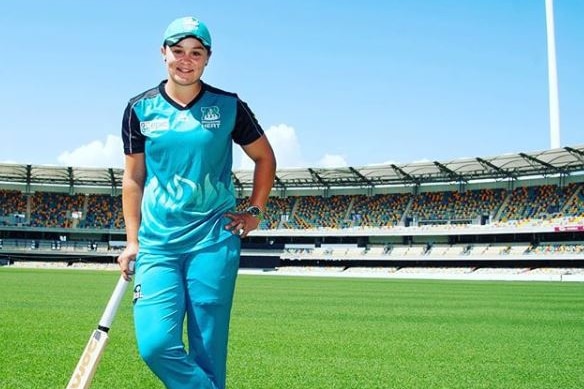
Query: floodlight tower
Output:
(554,104)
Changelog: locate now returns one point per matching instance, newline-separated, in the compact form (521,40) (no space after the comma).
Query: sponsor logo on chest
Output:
(150,126)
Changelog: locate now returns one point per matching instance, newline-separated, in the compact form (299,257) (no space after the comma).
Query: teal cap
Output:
(187,27)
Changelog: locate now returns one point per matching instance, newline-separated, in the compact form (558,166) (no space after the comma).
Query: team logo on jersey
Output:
(210,117)
(137,292)
(150,126)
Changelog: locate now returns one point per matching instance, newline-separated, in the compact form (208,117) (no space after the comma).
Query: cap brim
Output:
(173,40)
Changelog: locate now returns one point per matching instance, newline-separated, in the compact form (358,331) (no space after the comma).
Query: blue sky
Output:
(341,83)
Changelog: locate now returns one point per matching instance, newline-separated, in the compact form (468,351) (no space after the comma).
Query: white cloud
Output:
(286,147)
(386,163)
(332,161)
(282,138)
(96,154)
(423,160)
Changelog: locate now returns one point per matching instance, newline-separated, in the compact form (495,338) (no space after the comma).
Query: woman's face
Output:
(185,61)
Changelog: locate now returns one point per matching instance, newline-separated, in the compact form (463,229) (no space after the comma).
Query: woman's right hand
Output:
(126,259)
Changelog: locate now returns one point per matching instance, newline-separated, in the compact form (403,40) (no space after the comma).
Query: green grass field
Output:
(303,332)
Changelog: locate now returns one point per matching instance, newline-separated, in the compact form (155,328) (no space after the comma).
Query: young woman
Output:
(178,204)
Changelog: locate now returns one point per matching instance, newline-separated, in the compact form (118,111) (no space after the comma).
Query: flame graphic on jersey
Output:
(176,192)
(182,193)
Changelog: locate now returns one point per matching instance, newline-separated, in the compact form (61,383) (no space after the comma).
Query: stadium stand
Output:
(507,215)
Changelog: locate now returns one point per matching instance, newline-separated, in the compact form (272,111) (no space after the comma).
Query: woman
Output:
(178,205)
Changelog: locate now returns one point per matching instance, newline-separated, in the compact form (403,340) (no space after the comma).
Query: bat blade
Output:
(87,365)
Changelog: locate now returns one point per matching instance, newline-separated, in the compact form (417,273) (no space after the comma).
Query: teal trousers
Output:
(198,287)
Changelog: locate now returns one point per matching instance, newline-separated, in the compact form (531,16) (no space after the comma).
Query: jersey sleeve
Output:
(132,137)
(247,129)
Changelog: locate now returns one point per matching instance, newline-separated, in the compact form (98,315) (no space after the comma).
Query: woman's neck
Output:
(183,94)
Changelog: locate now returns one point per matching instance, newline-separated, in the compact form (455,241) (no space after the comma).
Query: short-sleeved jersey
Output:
(188,157)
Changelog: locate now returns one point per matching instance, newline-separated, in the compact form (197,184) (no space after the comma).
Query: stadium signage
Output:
(568,228)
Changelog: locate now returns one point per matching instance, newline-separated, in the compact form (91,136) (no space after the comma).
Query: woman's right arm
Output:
(132,190)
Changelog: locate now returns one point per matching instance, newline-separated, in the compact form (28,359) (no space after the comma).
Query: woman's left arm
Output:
(261,153)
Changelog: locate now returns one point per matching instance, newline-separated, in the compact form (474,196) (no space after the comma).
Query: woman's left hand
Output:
(242,223)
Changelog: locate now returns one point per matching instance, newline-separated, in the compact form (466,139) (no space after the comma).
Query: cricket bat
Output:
(85,370)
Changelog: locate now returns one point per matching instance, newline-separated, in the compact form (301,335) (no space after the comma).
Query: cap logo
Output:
(191,24)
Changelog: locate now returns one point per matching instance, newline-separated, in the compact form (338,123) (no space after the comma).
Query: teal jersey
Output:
(188,156)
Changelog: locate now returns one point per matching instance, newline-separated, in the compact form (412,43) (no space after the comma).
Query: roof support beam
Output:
(451,173)
(488,164)
(361,176)
(236,182)
(317,177)
(539,162)
(402,173)
(279,182)
(71,179)
(577,153)
(28,178)
(111,172)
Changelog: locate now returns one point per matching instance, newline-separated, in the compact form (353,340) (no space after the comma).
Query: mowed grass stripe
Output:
(304,332)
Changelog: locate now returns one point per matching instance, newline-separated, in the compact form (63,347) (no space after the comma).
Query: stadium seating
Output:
(380,210)
(56,209)
(523,206)
(455,206)
(536,204)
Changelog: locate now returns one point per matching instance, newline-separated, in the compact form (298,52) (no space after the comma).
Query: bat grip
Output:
(113,304)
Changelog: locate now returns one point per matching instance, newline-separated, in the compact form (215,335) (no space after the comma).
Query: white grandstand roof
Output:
(555,162)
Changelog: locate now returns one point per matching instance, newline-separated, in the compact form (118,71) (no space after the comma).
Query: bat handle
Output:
(114,302)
